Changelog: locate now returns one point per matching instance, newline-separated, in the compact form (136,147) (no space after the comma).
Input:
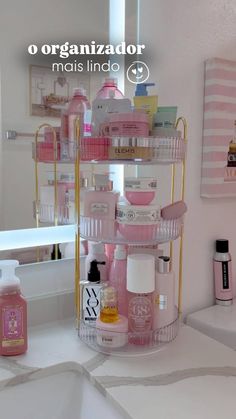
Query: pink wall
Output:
(181,35)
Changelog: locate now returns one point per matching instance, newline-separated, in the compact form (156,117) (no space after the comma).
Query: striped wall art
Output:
(219,130)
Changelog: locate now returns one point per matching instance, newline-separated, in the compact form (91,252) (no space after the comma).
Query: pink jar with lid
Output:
(140,191)
(137,222)
(129,124)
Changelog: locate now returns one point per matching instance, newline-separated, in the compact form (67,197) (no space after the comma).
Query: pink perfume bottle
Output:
(13,311)
(140,286)
(223,273)
(99,209)
(117,278)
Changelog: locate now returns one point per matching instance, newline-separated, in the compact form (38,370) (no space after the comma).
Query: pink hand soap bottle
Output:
(13,311)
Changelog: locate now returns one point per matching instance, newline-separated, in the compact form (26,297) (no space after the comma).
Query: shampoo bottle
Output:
(90,294)
(164,297)
(13,311)
(118,275)
(223,273)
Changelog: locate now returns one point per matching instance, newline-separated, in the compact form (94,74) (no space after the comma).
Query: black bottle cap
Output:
(222,246)
(94,273)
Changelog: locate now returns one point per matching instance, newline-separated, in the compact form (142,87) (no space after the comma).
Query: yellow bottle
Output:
(145,102)
(108,305)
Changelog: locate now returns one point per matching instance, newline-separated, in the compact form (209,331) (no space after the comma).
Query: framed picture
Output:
(219,130)
(50,91)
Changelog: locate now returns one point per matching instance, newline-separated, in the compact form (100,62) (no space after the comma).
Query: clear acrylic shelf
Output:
(136,150)
(105,150)
(145,343)
(47,214)
(108,231)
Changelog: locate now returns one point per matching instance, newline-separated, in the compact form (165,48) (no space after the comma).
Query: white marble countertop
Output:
(191,377)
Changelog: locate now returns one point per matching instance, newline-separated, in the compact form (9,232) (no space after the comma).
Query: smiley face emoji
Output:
(138,72)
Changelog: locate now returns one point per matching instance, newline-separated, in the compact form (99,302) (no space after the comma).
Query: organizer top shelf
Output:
(116,150)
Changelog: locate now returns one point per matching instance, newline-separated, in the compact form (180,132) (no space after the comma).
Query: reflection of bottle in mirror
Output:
(164,297)
(13,311)
(223,273)
(140,286)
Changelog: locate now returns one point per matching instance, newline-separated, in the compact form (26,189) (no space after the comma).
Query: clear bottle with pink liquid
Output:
(109,85)
(13,311)
(118,277)
(140,286)
(78,109)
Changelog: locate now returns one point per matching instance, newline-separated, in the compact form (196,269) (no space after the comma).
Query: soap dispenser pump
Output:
(90,294)
(13,311)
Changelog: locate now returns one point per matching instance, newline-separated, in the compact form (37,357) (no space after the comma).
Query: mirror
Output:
(26,82)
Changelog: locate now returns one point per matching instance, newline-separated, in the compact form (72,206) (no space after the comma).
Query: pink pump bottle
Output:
(13,311)
(118,274)
(223,273)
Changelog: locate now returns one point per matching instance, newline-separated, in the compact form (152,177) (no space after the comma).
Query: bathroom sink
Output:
(67,395)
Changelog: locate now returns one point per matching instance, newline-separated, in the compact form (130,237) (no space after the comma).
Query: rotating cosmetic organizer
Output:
(137,151)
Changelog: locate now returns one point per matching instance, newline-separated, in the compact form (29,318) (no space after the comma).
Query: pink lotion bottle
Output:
(140,286)
(13,311)
(118,276)
(223,273)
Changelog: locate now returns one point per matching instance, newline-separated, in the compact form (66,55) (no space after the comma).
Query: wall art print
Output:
(50,91)
(219,130)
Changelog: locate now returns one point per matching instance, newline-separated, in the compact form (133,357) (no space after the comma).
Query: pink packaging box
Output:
(94,148)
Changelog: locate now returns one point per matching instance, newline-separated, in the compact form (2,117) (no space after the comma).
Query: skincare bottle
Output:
(13,311)
(164,296)
(97,252)
(112,328)
(223,273)
(79,109)
(145,102)
(100,204)
(90,294)
(109,100)
(117,277)
(140,286)
(109,85)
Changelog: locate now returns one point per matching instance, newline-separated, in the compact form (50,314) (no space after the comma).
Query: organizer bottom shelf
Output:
(122,343)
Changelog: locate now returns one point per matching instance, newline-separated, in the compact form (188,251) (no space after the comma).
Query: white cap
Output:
(97,248)
(141,273)
(8,281)
(120,252)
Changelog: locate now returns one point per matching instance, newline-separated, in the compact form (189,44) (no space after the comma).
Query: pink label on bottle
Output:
(140,314)
(12,323)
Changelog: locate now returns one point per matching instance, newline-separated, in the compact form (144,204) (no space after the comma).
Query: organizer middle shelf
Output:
(146,150)
(111,232)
